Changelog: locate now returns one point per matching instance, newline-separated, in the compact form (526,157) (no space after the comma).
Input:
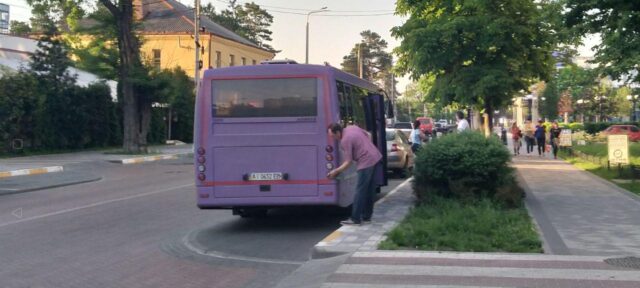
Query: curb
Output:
(327,248)
(137,160)
(33,171)
(17,191)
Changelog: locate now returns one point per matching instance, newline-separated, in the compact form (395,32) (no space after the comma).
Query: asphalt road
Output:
(139,227)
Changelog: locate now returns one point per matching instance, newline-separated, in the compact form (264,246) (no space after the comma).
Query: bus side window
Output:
(348,91)
(359,96)
(343,98)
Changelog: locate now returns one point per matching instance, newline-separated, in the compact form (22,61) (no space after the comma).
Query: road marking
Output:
(17,213)
(222,255)
(93,205)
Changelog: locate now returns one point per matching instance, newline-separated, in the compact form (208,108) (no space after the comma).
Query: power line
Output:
(307,10)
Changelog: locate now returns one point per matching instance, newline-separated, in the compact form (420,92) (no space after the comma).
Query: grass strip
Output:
(475,226)
(604,172)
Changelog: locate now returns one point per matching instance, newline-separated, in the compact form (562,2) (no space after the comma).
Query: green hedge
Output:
(465,165)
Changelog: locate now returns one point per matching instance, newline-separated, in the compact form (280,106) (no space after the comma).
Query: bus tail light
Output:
(201,151)
(329,157)
(201,159)
(394,147)
(329,149)
(329,166)
(201,176)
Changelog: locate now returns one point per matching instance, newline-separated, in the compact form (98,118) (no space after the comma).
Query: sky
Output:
(332,34)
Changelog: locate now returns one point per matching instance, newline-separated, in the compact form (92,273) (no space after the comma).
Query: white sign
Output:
(618,146)
(565,138)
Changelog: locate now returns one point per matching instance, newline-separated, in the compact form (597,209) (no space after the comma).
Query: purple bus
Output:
(261,136)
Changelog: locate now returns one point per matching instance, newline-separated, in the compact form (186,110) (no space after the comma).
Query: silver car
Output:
(399,155)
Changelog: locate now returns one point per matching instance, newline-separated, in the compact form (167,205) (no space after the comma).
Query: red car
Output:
(631,130)
(426,124)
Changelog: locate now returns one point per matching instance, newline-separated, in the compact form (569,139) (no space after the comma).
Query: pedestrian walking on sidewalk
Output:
(463,124)
(528,136)
(554,136)
(416,137)
(540,134)
(516,134)
(357,147)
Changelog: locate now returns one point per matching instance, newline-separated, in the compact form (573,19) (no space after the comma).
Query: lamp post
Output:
(633,99)
(323,9)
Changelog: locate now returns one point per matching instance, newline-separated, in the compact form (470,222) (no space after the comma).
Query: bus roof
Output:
(289,70)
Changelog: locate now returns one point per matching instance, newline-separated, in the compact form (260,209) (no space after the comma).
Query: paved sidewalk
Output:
(589,215)
(433,269)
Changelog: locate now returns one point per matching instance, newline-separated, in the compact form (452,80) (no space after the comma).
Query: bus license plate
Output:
(265,176)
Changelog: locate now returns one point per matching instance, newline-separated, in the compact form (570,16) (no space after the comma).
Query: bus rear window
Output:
(287,97)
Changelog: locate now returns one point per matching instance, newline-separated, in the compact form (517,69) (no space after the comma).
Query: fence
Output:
(634,170)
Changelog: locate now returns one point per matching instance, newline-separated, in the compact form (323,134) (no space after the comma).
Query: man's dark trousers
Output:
(363,200)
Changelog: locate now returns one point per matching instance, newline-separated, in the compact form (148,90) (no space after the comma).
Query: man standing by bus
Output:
(357,147)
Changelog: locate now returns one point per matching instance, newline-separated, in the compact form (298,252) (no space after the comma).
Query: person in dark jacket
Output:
(540,135)
(554,136)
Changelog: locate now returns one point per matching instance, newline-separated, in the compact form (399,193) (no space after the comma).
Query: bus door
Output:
(375,121)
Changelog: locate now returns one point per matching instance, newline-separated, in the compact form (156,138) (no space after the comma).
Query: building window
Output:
(218,59)
(156,58)
(244,61)
(232,60)
(253,62)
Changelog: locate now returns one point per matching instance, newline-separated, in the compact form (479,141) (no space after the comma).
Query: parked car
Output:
(631,130)
(405,127)
(399,155)
(426,125)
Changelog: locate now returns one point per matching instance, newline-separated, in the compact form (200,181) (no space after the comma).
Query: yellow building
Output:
(167,32)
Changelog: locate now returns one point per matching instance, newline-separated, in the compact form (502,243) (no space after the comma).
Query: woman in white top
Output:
(463,124)
(416,136)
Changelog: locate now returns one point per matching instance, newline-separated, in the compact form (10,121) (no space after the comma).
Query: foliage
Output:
(617,23)
(477,226)
(177,93)
(462,165)
(549,106)
(97,54)
(61,14)
(44,122)
(248,20)
(376,62)
(481,52)
(576,126)
(19,28)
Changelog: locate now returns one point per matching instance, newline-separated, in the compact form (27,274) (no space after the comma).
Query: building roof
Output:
(171,16)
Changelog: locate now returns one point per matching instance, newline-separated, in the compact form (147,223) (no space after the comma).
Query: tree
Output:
(480,52)
(551,99)
(131,73)
(248,20)
(97,54)
(19,28)
(376,62)
(617,23)
(63,14)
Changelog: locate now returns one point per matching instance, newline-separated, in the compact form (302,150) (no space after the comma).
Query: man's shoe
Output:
(349,222)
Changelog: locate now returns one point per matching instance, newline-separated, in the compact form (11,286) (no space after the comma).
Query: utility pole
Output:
(360,59)
(196,25)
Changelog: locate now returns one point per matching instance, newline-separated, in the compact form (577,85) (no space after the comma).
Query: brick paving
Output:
(450,269)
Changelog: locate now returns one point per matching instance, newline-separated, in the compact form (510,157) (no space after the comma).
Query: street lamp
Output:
(323,9)
(633,99)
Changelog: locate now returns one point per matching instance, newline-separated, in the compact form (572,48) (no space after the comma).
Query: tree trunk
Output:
(489,110)
(136,111)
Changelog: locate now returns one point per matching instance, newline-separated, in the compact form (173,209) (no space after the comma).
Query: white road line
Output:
(93,205)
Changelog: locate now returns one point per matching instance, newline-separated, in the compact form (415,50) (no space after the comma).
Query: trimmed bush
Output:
(576,126)
(465,165)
